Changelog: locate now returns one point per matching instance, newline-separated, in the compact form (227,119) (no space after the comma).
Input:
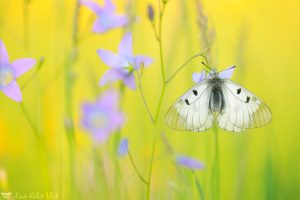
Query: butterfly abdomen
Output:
(216,101)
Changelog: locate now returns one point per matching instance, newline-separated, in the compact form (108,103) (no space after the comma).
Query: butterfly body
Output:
(217,99)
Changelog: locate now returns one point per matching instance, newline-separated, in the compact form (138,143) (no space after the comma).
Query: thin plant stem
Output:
(182,66)
(136,169)
(100,176)
(38,68)
(216,166)
(199,186)
(159,39)
(151,163)
(40,143)
(30,122)
(69,124)
(143,97)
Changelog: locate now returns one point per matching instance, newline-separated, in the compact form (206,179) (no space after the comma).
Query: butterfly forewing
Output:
(190,112)
(243,109)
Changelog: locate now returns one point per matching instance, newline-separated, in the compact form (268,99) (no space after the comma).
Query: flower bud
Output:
(150,12)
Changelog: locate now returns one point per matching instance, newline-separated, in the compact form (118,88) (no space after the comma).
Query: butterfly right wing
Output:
(191,111)
(243,109)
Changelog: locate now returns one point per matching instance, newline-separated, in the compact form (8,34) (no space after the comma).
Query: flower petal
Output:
(189,162)
(93,6)
(3,54)
(22,65)
(118,21)
(198,77)
(109,6)
(129,80)
(99,27)
(227,73)
(139,60)
(13,91)
(111,76)
(111,59)
(109,100)
(125,47)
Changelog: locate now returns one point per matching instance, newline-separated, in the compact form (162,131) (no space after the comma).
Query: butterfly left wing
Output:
(190,112)
(243,109)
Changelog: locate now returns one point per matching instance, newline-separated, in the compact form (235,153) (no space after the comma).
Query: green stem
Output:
(38,68)
(151,163)
(69,123)
(30,122)
(159,39)
(136,170)
(199,186)
(41,146)
(182,66)
(216,166)
(143,97)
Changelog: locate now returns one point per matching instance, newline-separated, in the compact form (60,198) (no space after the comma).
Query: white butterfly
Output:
(218,99)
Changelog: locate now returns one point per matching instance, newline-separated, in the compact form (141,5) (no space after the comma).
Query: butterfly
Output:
(217,99)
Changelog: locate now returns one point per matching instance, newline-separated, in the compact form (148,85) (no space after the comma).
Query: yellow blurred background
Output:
(260,37)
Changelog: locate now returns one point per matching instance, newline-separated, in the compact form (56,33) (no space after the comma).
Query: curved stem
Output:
(136,169)
(143,97)
(182,66)
(30,122)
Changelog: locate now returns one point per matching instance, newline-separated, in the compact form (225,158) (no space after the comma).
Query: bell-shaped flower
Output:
(189,162)
(10,71)
(226,73)
(107,19)
(122,64)
(102,118)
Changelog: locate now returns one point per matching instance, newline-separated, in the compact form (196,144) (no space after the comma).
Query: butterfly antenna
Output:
(208,67)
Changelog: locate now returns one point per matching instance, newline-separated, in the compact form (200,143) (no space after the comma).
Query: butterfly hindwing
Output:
(243,109)
(190,112)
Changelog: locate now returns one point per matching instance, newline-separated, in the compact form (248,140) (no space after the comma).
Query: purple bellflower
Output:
(123,64)
(123,147)
(226,73)
(189,162)
(10,71)
(102,118)
(106,17)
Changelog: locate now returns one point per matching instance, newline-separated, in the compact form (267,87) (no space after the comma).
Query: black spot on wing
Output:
(248,99)
(187,102)
(195,92)
(238,91)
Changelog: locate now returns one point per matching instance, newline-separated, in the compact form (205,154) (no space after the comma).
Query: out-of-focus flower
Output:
(198,77)
(123,64)
(150,12)
(227,73)
(10,71)
(102,118)
(123,147)
(106,17)
(189,162)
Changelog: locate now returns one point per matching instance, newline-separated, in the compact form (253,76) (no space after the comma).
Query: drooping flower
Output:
(123,147)
(227,73)
(189,162)
(10,71)
(123,64)
(106,17)
(102,118)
